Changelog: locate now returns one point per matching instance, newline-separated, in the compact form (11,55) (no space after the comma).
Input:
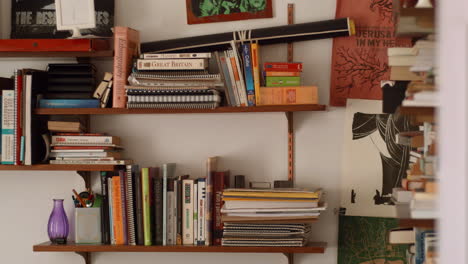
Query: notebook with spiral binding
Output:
(174,99)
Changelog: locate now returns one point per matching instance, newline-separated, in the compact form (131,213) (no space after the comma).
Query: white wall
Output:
(250,144)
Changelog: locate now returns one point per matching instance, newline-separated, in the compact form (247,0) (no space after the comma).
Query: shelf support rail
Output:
(86,256)
(290,117)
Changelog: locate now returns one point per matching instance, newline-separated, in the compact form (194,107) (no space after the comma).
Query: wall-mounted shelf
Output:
(225,109)
(53,167)
(413,110)
(85,250)
(423,223)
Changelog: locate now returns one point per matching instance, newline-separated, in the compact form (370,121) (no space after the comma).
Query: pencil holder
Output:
(88,225)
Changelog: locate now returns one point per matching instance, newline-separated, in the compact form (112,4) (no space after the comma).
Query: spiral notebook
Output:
(173,99)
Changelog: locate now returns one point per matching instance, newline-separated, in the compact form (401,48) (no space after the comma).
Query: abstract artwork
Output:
(364,240)
(360,62)
(373,163)
(208,11)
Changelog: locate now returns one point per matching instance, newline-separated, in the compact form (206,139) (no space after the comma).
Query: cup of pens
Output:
(87,218)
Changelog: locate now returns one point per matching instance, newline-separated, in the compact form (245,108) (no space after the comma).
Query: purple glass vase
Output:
(58,224)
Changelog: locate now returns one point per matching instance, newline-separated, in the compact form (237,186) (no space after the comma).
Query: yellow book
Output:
(308,195)
(256,71)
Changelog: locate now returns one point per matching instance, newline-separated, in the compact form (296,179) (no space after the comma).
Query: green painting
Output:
(364,240)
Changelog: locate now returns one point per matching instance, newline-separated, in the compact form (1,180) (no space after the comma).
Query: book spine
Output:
(256,71)
(130,204)
(158,210)
(18,116)
(123,205)
(117,211)
(69,103)
(232,76)
(187,214)
(202,55)
(248,73)
(126,45)
(164,205)
(105,234)
(8,126)
(179,211)
(282,66)
(235,72)
(172,64)
(282,74)
(111,211)
(243,91)
(289,95)
(174,215)
(92,162)
(282,81)
(218,187)
(195,213)
(146,206)
(211,165)
(201,211)
(153,174)
(76,140)
(140,234)
(170,212)
(226,78)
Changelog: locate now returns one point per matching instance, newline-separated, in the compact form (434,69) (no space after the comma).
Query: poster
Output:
(373,164)
(209,11)
(364,240)
(36,19)
(360,62)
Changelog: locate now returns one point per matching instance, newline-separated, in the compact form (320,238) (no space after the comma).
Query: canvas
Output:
(208,11)
(373,162)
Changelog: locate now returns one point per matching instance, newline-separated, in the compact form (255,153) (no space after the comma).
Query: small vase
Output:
(58,224)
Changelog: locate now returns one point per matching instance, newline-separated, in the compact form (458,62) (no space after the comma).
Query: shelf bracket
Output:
(86,256)
(290,117)
(289,257)
(86,175)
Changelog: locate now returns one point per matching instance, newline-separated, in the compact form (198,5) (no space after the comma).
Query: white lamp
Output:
(75,15)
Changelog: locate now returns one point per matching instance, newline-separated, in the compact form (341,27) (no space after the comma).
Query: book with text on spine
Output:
(289,95)
(172,64)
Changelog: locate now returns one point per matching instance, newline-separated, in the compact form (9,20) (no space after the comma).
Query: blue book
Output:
(421,233)
(69,103)
(248,72)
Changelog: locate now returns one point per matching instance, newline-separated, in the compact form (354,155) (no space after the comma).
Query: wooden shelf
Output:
(316,247)
(424,223)
(53,167)
(227,109)
(417,12)
(413,110)
(57,54)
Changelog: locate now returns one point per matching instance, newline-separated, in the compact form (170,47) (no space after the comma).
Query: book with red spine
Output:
(123,205)
(19,116)
(282,66)
(220,182)
(126,45)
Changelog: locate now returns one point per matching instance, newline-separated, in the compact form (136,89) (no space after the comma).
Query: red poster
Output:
(360,62)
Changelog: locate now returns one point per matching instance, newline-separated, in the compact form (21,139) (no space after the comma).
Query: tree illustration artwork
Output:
(358,68)
(383,7)
(394,166)
(364,240)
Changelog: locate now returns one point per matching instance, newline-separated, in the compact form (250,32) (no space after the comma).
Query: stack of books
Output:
(86,148)
(70,85)
(416,65)
(422,244)
(154,206)
(283,85)
(173,81)
(269,217)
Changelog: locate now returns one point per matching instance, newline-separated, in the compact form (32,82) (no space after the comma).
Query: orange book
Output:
(256,71)
(288,95)
(126,45)
(117,211)
(282,74)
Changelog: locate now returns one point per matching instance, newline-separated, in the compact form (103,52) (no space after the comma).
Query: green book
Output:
(280,81)
(145,185)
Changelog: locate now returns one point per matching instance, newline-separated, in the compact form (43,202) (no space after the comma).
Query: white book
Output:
(195,213)
(322,207)
(200,55)
(401,60)
(92,162)
(272,215)
(84,140)
(187,212)
(242,91)
(400,51)
(172,64)
(201,211)
(27,120)
(228,57)
(60,154)
(8,126)
(402,236)
(230,204)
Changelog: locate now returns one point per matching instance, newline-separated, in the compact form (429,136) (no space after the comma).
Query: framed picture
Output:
(209,11)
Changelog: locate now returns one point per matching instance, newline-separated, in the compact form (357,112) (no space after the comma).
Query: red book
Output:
(19,116)
(220,182)
(282,66)
(54,45)
(126,46)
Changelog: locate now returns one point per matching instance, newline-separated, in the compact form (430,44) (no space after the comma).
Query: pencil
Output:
(79,198)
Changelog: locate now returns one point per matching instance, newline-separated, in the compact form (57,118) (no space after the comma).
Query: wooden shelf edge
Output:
(313,247)
(226,109)
(53,167)
(56,54)
(423,223)
(414,110)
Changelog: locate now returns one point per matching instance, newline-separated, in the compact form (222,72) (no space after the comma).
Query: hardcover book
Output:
(172,64)
(289,95)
